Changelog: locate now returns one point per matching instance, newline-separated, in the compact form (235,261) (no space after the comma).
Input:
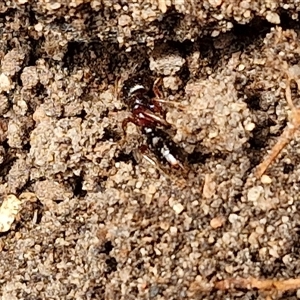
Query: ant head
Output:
(137,84)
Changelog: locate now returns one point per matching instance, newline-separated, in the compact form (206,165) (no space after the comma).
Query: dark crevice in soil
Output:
(110,135)
(124,157)
(76,183)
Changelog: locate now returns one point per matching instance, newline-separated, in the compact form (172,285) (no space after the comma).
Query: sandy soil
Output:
(93,219)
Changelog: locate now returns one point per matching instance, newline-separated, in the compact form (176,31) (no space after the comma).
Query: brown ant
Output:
(145,102)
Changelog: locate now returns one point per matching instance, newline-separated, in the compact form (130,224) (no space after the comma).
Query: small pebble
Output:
(5,83)
(266,179)
(178,208)
(215,3)
(254,193)
(124,20)
(216,222)
(173,230)
(250,126)
(8,211)
(273,18)
(233,218)
(241,67)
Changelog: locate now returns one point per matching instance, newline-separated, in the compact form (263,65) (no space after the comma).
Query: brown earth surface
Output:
(93,218)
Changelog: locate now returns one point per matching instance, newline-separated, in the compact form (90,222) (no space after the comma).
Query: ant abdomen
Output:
(164,148)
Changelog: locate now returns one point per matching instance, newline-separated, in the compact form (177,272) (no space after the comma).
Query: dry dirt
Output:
(97,221)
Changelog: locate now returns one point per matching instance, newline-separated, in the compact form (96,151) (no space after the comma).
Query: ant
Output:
(145,102)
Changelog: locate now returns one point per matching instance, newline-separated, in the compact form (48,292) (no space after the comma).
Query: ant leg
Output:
(159,96)
(175,104)
(126,121)
(285,137)
(181,183)
(141,153)
(143,150)
(156,85)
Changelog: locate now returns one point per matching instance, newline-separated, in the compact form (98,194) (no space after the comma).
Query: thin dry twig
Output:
(261,284)
(287,134)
